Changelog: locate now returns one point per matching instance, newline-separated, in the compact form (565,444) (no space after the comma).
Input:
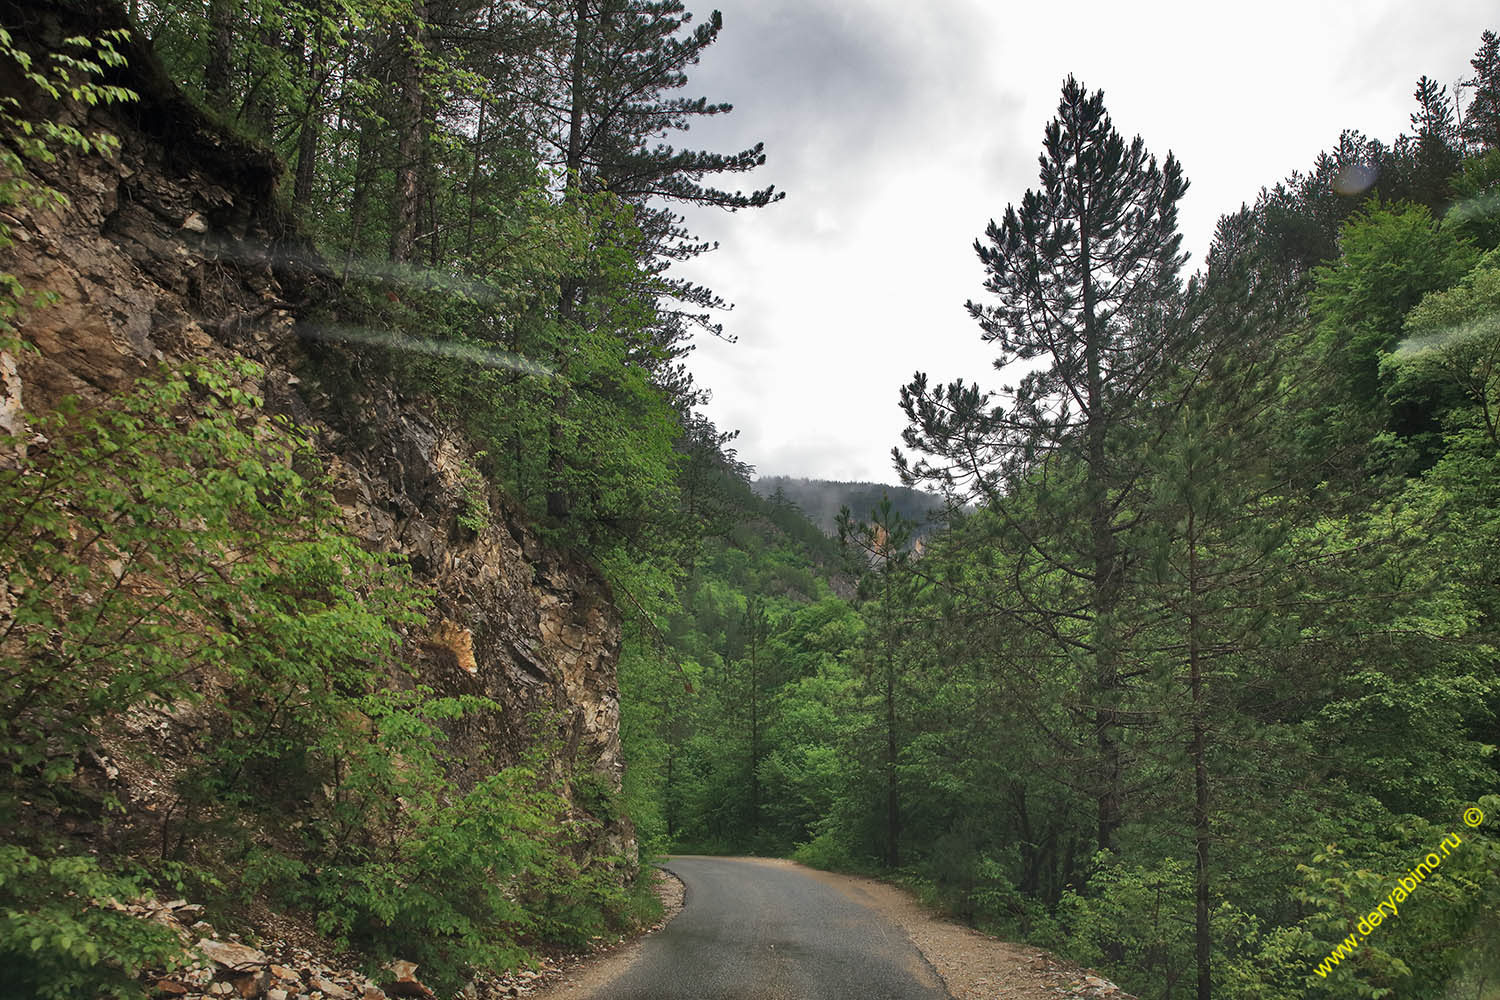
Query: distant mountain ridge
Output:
(820,499)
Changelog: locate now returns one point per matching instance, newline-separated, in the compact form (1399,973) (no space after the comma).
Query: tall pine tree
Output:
(1081,272)
(1481,126)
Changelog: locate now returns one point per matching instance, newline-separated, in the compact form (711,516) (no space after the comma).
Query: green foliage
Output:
(179,543)
(65,75)
(1391,256)
(62,935)
(473,493)
(1453,337)
(445,895)
(1133,917)
(1441,924)
(171,538)
(1476,208)
(136,550)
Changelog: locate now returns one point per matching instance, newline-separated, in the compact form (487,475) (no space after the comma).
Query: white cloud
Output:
(899,129)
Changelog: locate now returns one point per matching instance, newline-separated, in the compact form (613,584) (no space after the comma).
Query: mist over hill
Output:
(820,499)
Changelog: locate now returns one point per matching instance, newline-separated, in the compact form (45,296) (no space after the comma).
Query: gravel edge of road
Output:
(971,964)
(580,975)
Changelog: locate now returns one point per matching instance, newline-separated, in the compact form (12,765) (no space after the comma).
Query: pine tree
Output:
(602,109)
(1437,153)
(1081,270)
(1216,541)
(883,544)
(617,65)
(1481,126)
(1433,118)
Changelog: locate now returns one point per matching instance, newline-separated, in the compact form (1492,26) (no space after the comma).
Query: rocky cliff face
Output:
(174,249)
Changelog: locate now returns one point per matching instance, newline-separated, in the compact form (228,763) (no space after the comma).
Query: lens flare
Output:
(1355,178)
(475,354)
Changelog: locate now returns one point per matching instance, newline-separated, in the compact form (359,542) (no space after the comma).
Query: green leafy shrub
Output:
(66,74)
(828,851)
(445,891)
(170,546)
(169,535)
(1136,918)
(473,494)
(179,547)
(61,938)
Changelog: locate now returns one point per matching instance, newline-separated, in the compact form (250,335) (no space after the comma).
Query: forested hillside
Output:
(821,500)
(375,580)
(1210,668)
(346,440)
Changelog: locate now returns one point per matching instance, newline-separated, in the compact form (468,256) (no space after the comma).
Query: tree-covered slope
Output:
(822,499)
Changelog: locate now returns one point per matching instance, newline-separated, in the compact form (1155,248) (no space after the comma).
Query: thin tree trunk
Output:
(259,108)
(474,172)
(892,796)
(217,71)
(474,181)
(576,95)
(558,501)
(1203,933)
(359,200)
(407,202)
(312,125)
(427,190)
(754,725)
(1102,545)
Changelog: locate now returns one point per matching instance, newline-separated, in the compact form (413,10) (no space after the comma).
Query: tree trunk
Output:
(1102,551)
(754,724)
(558,502)
(474,174)
(892,794)
(259,107)
(576,93)
(359,200)
(1203,933)
(219,67)
(409,143)
(312,126)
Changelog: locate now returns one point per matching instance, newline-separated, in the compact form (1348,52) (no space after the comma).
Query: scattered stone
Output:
(406,983)
(249,984)
(233,956)
(169,988)
(285,975)
(331,990)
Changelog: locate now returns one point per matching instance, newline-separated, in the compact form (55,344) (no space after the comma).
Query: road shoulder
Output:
(579,976)
(973,965)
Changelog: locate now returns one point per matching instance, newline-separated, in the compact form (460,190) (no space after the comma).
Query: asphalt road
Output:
(752,931)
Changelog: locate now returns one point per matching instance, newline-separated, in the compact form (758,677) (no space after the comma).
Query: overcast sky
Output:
(898,128)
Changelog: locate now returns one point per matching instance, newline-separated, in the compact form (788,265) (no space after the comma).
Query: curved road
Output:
(753,930)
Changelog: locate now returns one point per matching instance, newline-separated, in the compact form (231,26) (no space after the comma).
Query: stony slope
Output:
(175,249)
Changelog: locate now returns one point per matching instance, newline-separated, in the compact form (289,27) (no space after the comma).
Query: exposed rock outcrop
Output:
(174,249)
